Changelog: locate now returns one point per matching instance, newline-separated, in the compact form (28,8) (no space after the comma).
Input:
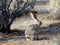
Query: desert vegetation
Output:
(54,9)
(20,29)
(10,10)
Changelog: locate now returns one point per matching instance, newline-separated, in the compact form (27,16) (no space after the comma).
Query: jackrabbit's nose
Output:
(40,23)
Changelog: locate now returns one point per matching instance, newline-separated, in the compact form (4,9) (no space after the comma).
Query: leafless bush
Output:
(10,9)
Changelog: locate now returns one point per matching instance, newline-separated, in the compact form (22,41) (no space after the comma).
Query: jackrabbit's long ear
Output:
(34,11)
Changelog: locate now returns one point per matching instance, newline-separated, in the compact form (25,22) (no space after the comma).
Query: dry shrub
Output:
(54,9)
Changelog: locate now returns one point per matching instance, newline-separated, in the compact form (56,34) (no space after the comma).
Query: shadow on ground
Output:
(13,35)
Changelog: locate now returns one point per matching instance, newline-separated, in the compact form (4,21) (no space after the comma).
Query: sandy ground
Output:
(20,24)
(23,22)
